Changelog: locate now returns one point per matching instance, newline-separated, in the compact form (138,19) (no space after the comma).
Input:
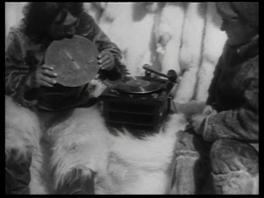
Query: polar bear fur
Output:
(13,12)
(214,40)
(190,54)
(130,26)
(168,33)
(23,133)
(123,163)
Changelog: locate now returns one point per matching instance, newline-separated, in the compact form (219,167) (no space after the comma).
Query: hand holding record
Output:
(74,61)
(45,76)
(106,60)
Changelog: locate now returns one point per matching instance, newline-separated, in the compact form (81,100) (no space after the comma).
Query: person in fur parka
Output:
(26,73)
(229,122)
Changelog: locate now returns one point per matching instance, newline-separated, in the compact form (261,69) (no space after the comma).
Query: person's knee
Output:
(77,181)
(21,124)
(231,155)
(189,166)
(17,171)
(190,145)
(22,130)
(22,135)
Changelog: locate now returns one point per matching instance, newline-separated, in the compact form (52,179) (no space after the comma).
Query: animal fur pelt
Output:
(13,12)
(190,54)
(130,26)
(168,33)
(213,44)
(23,133)
(122,163)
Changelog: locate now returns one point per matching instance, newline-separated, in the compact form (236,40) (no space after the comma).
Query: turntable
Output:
(141,102)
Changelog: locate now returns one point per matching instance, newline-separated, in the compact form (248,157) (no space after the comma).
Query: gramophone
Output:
(140,102)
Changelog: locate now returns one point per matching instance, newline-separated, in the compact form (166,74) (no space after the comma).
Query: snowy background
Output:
(182,36)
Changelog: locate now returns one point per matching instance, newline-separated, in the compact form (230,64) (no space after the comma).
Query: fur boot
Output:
(237,182)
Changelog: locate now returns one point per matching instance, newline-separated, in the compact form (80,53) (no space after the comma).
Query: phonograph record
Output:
(140,102)
(75,61)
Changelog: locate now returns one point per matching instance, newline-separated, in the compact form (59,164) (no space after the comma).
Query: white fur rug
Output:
(123,164)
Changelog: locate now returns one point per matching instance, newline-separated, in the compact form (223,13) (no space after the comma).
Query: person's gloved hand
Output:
(106,60)
(43,76)
(188,109)
(198,121)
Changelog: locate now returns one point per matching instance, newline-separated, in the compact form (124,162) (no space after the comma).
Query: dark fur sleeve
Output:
(241,123)
(17,72)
